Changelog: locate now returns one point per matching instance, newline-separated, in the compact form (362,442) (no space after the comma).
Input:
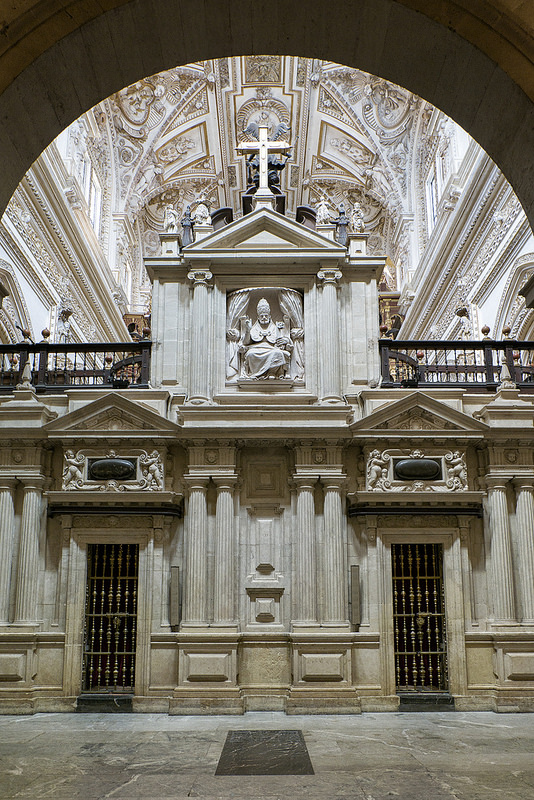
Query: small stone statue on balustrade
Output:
(170,220)
(342,223)
(356,220)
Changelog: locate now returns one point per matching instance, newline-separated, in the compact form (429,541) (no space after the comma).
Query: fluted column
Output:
(525,542)
(334,556)
(195,601)
(7,527)
(224,584)
(305,571)
(28,560)
(199,368)
(329,336)
(502,588)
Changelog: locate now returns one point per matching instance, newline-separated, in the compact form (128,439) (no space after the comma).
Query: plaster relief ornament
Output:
(267,348)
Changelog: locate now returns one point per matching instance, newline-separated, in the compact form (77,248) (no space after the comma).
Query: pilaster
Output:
(334,555)
(28,559)
(305,571)
(200,338)
(7,529)
(502,576)
(224,583)
(329,358)
(525,540)
(195,602)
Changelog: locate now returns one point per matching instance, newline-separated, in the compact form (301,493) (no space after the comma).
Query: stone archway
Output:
(89,58)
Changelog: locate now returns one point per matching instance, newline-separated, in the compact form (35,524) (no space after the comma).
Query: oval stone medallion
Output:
(417,469)
(106,469)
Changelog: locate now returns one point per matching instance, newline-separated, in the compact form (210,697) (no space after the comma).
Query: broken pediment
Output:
(419,413)
(113,414)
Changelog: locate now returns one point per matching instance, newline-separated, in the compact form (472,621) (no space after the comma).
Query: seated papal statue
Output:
(266,346)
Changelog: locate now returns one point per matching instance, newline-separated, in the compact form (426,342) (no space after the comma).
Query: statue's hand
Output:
(232,334)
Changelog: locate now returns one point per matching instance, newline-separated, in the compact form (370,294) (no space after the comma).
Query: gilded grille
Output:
(419,617)
(110,618)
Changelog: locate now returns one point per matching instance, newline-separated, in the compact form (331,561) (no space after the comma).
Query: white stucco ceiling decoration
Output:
(173,136)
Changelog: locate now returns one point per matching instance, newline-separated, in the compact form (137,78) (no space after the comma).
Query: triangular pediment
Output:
(113,415)
(266,230)
(419,414)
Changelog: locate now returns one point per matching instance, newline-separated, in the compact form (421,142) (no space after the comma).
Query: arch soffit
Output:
(123,45)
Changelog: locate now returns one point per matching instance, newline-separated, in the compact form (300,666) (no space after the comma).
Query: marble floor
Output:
(408,756)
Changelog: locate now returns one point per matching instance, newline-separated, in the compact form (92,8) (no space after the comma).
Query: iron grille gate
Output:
(110,618)
(419,617)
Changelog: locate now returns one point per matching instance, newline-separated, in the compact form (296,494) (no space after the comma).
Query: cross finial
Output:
(262,147)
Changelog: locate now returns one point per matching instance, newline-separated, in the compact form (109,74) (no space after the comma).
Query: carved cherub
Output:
(72,471)
(152,469)
(377,470)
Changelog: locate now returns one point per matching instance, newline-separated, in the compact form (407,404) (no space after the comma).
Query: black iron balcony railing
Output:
(56,367)
(478,366)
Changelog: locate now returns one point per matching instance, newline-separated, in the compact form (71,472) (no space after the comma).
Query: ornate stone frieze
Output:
(81,471)
(417,521)
(111,521)
(416,471)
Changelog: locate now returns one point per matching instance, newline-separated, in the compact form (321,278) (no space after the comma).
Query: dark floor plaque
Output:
(264,753)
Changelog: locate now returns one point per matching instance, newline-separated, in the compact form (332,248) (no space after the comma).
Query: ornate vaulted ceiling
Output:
(173,136)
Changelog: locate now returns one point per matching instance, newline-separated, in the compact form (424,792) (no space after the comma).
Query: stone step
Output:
(425,701)
(108,703)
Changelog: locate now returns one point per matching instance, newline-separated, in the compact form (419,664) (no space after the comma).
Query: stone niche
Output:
(265,338)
